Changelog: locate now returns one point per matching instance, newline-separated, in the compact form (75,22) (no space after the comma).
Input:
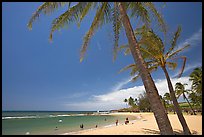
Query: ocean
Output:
(54,122)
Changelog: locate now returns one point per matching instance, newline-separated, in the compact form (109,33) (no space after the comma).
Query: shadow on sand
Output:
(176,131)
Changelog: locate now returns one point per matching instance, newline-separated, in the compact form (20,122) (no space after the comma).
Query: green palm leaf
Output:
(171,65)
(46,8)
(85,10)
(157,16)
(98,21)
(174,53)
(174,40)
(69,16)
(127,67)
(137,9)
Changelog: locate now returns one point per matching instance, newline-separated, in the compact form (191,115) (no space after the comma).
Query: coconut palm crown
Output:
(153,51)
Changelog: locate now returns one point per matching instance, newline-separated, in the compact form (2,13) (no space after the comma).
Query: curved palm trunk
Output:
(151,90)
(189,104)
(176,105)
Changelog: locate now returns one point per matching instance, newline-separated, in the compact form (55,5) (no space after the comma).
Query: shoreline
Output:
(105,126)
(145,124)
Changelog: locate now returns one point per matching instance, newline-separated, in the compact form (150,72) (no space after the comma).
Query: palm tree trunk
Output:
(151,90)
(176,105)
(189,104)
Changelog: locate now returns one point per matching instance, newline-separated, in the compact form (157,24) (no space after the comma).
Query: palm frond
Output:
(174,40)
(135,78)
(137,9)
(152,65)
(69,16)
(98,21)
(171,65)
(134,70)
(149,53)
(156,15)
(46,8)
(152,41)
(108,13)
(127,67)
(123,47)
(153,68)
(183,66)
(174,53)
(86,10)
(127,51)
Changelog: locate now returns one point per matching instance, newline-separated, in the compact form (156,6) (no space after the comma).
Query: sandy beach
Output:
(145,125)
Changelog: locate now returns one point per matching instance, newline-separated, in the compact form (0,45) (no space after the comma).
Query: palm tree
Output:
(117,14)
(136,101)
(167,97)
(180,90)
(153,50)
(125,100)
(164,102)
(196,78)
(131,102)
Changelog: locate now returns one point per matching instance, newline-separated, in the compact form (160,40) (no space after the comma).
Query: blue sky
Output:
(39,75)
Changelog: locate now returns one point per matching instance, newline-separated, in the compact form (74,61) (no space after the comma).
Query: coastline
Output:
(145,124)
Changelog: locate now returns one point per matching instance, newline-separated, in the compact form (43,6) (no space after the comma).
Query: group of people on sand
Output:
(126,121)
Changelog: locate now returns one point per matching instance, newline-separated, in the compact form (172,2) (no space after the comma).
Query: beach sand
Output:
(145,125)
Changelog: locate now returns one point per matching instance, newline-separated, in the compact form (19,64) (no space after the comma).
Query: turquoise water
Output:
(45,122)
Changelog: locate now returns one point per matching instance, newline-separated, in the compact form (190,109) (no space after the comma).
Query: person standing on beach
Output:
(81,126)
(116,122)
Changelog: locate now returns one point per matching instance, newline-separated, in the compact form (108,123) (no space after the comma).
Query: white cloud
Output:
(122,83)
(114,99)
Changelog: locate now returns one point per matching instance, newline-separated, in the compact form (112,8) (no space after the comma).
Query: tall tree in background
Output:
(167,98)
(117,14)
(143,103)
(131,102)
(164,102)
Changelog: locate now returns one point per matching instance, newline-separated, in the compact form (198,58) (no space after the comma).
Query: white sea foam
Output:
(63,115)
(20,117)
